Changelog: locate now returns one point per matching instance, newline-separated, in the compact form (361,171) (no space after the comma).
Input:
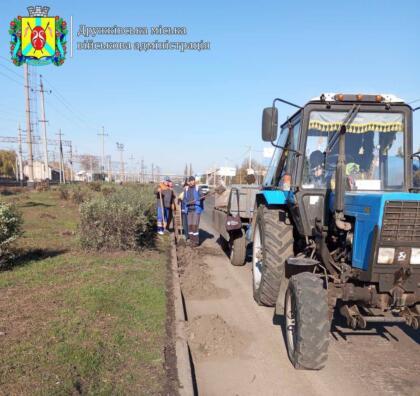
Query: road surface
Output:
(237,346)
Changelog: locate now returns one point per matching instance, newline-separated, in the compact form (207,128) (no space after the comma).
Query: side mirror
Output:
(269,124)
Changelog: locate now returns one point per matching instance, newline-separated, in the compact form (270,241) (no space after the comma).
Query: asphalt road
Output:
(242,351)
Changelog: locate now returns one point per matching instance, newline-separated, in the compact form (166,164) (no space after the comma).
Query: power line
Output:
(414,101)
(10,70)
(67,117)
(8,119)
(11,79)
(80,119)
(60,97)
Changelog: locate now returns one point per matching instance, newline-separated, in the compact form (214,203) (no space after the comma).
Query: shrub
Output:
(63,192)
(121,220)
(10,230)
(107,189)
(79,194)
(95,186)
(42,186)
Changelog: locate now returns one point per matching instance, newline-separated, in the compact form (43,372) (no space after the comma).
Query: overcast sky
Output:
(205,107)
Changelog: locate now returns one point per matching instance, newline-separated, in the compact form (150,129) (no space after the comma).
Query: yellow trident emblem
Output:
(38,37)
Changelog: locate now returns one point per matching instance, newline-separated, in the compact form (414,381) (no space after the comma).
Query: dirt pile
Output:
(196,281)
(210,336)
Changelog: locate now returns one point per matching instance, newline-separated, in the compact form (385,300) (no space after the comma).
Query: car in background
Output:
(204,188)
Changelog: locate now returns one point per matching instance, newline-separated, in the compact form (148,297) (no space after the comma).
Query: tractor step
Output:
(355,319)
(384,319)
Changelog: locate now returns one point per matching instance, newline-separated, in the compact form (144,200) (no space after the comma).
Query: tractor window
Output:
(277,161)
(314,161)
(374,151)
(291,166)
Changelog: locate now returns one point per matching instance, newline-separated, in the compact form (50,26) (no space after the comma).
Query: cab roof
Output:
(333,97)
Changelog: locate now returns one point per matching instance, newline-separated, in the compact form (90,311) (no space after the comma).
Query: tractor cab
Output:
(375,132)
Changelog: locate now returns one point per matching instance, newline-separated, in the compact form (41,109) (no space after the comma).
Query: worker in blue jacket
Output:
(193,202)
(184,210)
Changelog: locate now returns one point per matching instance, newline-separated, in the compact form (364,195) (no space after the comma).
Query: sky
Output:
(171,108)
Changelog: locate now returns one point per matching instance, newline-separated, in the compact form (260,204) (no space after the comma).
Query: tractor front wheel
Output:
(272,246)
(306,321)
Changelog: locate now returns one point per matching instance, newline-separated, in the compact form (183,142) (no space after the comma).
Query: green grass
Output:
(76,322)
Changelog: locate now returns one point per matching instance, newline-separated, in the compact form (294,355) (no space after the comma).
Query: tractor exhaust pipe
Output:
(340,172)
(340,180)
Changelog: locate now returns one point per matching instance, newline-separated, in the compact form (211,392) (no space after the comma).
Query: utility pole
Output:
(20,155)
(28,127)
(44,129)
(214,174)
(146,178)
(131,170)
(109,169)
(138,172)
(91,167)
(62,169)
(16,168)
(71,164)
(102,135)
(120,148)
(158,173)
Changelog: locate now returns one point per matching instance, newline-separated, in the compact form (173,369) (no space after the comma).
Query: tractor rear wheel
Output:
(306,321)
(237,245)
(272,246)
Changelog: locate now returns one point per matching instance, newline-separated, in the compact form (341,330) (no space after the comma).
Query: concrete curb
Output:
(181,344)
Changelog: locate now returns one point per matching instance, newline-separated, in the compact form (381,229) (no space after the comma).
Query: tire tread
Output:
(313,325)
(278,246)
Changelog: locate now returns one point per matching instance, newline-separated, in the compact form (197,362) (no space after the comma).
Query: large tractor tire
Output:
(272,245)
(306,321)
(237,251)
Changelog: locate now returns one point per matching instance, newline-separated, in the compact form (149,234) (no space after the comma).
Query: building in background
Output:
(40,174)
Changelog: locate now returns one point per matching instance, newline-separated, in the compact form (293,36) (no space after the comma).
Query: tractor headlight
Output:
(415,256)
(386,255)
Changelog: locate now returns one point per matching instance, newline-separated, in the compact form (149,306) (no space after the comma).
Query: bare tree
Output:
(89,162)
(241,172)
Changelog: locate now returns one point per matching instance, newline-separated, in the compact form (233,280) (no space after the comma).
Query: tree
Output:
(7,163)
(89,162)
(241,172)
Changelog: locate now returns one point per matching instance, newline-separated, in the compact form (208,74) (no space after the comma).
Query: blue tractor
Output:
(337,223)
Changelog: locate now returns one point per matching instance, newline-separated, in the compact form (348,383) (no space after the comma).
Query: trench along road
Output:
(237,347)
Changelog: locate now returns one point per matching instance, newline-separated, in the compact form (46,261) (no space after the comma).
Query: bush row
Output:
(10,230)
(122,218)
(79,193)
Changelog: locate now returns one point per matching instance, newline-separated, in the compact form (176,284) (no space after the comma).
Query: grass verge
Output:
(80,323)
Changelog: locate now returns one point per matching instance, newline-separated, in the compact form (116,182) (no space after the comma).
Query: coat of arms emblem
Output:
(38,39)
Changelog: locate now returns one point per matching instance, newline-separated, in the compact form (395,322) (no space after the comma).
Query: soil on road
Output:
(237,347)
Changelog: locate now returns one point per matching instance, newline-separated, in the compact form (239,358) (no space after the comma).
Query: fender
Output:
(274,197)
